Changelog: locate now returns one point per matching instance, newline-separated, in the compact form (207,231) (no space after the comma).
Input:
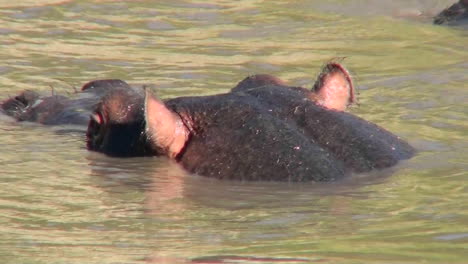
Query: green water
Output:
(60,203)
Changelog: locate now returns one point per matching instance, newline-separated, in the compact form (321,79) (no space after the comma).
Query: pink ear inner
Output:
(165,130)
(334,87)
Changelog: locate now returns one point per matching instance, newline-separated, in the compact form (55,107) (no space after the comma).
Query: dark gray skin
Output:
(456,14)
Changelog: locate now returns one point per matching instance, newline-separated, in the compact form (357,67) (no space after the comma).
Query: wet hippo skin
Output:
(232,136)
(361,145)
(454,15)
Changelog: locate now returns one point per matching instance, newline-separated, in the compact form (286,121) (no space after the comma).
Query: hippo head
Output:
(116,126)
(120,126)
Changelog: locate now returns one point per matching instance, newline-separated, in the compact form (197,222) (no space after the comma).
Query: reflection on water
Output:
(62,204)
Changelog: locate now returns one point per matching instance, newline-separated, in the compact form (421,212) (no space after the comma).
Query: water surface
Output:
(60,203)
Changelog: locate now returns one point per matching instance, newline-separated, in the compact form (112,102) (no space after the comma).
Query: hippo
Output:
(453,15)
(262,129)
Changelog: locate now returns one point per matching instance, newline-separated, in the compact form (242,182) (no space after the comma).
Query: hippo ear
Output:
(164,129)
(334,87)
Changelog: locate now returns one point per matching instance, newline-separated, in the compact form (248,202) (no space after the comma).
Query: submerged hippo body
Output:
(456,14)
(261,130)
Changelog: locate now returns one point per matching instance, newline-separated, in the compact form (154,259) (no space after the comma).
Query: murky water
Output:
(60,203)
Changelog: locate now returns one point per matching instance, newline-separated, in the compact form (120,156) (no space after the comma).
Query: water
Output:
(60,203)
